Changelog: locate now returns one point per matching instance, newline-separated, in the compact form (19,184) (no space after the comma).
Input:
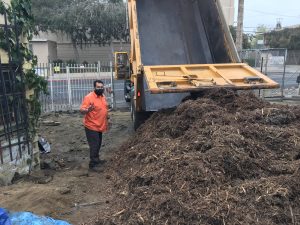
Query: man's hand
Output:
(87,110)
(90,108)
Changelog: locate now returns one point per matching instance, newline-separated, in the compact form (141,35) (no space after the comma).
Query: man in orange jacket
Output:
(95,110)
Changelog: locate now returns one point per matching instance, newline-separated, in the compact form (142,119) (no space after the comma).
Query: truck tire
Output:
(138,118)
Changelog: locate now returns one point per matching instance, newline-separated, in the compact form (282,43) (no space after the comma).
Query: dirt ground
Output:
(65,189)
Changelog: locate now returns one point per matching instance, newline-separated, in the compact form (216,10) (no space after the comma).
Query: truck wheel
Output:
(138,118)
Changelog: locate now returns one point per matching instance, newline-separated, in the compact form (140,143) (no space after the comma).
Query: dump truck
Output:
(179,48)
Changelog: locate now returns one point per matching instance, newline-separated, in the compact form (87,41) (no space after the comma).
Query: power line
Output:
(270,13)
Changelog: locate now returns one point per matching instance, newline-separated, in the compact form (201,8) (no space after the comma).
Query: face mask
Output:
(99,91)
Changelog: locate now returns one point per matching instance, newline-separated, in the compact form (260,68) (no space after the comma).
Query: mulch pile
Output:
(224,158)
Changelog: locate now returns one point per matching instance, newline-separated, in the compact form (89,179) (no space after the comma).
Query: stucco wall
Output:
(40,49)
(91,54)
(52,51)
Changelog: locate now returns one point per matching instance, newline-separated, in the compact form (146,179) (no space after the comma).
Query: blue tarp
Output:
(26,218)
(4,217)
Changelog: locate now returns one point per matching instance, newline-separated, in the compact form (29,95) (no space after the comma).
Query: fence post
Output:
(51,86)
(69,87)
(113,86)
(256,56)
(266,65)
(99,68)
(283,76)
(264,92)
(261,70)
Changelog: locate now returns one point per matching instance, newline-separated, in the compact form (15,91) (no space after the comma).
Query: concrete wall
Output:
(46,51)
(91,54)
(49,36)
(49,46)
(52,51)
(18,165)
(3,55)
(2,17)
(40,49)
(228,9)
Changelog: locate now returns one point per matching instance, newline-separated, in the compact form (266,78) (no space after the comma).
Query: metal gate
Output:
(14,135)
(273,63)
(68,84)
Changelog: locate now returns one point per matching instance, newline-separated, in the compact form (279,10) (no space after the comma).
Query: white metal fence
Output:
(68,84)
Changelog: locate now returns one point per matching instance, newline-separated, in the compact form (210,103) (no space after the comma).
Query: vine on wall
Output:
(19,14)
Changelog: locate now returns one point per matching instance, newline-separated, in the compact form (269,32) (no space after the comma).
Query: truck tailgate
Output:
(197,77)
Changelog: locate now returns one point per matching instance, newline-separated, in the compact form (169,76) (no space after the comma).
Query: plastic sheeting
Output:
(26,218)
(4,217)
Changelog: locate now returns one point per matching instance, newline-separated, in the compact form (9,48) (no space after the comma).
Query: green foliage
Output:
(2,8)
(259,35)
(58,61)
(287,38)
(19,14)
(246,37)
(85,63)
(85,22)
(71,62)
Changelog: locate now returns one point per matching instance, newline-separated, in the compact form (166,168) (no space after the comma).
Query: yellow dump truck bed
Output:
(189,78)
(185,46)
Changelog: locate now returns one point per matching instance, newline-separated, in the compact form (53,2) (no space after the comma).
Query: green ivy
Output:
(287,38)
(19,13)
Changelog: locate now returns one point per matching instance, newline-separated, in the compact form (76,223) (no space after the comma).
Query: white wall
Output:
(228,9)
(46,51)
(40,49)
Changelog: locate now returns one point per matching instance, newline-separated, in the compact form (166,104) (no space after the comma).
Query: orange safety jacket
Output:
(95,120)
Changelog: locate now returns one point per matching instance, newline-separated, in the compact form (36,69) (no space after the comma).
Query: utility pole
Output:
(279,24)
(240,25)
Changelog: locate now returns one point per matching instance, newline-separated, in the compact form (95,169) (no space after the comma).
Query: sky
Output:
(266,12)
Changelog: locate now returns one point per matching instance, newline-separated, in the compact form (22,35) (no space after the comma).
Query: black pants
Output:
(94,139)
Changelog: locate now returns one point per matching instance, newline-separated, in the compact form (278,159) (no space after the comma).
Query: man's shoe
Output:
(100,162)
(96,169)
